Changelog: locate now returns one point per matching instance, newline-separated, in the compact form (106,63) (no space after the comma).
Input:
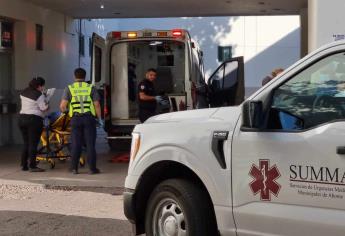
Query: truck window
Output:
(216,81)
(311,98)
(230,74)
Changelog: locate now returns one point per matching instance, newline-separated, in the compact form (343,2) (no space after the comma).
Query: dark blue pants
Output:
(83,132)
(144,114)
(31,127)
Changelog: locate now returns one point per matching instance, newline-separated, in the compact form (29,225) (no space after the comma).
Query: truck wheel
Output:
(120,144)
(178,207)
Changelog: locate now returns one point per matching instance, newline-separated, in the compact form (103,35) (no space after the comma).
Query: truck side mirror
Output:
(252,112)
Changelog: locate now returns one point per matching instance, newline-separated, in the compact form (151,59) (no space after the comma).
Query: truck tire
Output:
(178,207)
(120,144)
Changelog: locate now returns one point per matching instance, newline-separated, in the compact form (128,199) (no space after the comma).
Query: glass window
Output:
(39,37)
(6,35)
(98,64)
(216,81)
(230,74)
(313,97)
(82,45)
(224,53)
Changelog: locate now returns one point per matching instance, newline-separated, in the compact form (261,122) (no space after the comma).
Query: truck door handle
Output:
(217,146)
(341,150)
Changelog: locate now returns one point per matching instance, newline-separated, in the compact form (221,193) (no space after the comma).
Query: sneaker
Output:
(95,171)
(36,169)
(74,171)
(25,168)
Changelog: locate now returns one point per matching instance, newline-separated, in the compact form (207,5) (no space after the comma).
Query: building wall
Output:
(252,37)
(326,22)
(266,42)
(60,54)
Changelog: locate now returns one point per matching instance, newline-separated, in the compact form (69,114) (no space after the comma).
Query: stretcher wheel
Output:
(51,163)
(82,162)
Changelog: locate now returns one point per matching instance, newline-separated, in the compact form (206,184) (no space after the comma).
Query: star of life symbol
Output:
(265,180)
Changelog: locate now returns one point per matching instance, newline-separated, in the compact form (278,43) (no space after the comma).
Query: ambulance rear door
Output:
(98,69)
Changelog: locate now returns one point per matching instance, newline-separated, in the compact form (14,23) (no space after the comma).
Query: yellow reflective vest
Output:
(81,99)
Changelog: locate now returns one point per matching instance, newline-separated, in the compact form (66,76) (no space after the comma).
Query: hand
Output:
(100,123)
(164,102)
(159,98)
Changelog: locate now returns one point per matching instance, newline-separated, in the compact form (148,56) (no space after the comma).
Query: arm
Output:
(98,109)
(63,105)
(42,104)
(96,102)
(144,97)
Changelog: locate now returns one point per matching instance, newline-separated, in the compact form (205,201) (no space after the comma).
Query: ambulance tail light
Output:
(177,33)
(116,35)
(132,35)
(162,34)
(105,106)
(147,34)
(106,111)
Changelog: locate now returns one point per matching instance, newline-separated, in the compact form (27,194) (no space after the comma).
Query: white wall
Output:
(266,42)
(326,22)
(60,55)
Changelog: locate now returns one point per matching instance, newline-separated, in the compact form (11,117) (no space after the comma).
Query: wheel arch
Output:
(154,175)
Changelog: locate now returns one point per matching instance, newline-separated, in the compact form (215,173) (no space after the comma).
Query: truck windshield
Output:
(130,61)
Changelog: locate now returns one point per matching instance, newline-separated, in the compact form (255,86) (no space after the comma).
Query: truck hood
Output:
(196,115)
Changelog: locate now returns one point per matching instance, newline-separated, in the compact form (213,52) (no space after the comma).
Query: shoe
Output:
(74,171)
(36,169)
(95,171)
(25,168)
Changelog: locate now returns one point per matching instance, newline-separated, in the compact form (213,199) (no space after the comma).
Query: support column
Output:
(304,31)
(325,22)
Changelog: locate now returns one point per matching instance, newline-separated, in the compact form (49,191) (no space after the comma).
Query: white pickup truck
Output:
(274,165)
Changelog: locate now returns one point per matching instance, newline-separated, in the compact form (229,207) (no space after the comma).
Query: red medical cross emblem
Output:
(265,180)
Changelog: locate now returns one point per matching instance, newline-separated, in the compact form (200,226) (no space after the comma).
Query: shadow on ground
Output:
(33,223)
(111,180)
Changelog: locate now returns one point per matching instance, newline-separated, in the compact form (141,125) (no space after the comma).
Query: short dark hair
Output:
(80,73)
(36,82)
(151,70)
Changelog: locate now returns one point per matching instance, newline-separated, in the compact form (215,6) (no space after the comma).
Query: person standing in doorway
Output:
(83,101)
(31,122)
(147,96)
(274,74)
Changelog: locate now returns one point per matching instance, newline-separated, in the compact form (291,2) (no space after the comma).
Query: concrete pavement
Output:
(56,202)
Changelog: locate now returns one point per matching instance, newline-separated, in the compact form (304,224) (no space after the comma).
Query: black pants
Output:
(83,132)
(31,127)
(144,114)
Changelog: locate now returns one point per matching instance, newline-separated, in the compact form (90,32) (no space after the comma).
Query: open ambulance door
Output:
(98,72)
(226,85)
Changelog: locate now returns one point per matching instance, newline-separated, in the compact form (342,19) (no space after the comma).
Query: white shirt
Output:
(33,107)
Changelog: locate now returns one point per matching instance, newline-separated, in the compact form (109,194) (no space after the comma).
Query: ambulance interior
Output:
(129,63)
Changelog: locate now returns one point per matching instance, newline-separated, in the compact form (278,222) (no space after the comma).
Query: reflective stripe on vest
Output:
(81,99)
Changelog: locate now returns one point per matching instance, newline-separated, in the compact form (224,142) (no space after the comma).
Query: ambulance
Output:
(273,165)
(120,61)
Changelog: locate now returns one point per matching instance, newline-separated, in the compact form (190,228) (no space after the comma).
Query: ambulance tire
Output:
(177,206)
(120,144)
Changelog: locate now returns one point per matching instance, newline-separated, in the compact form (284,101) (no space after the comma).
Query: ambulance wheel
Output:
(51,163)
(82,162)
(120,144)
(179,207)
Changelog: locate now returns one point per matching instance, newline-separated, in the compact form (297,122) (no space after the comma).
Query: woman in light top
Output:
(31,122)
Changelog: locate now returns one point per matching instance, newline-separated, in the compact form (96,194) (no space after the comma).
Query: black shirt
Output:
(147,87)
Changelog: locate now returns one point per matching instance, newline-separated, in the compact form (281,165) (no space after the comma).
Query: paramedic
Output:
(147,96)
(31,122)
(82,101)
